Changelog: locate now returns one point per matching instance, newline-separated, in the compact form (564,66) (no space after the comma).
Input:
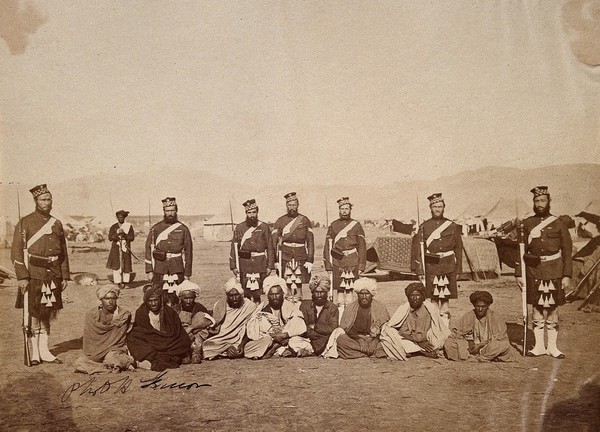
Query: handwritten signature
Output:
(94,387)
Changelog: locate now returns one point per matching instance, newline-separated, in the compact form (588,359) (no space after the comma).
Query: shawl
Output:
(99,338)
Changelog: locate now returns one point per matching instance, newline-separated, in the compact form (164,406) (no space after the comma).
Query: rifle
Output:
(151,237)
(589,296)
(422,245)
(331,276)
(26,316)
(524,289)
(236,252)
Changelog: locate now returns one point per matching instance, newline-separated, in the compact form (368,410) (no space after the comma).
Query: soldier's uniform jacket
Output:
(257,248)
(444,253)
(48,254)
(177,246)
(352,245)
(298,243)
(113,256)
(554,239)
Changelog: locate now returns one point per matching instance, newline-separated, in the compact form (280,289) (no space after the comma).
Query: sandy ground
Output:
(531,394)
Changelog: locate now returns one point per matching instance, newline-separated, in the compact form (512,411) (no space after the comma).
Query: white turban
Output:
(233,283)
(187,285)
(271,281)
(103,290)
(366,283)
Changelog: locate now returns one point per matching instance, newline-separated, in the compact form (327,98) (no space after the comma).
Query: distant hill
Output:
(197,192)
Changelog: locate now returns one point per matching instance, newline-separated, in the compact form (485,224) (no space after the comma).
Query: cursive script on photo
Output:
(95,387)
(158,384)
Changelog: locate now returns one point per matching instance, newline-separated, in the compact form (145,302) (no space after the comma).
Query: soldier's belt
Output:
(557,255)
(290,244)
(349,251)
(256,254)
(442,254)
(173,255)
(42,261)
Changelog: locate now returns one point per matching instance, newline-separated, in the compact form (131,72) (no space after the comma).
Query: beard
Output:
(292,213)
(345,217)
(252,221)
(539,211)
(171,219)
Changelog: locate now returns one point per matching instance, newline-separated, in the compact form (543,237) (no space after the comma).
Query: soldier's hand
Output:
(422,279)
(330,272)
(23,284)
(520,282)
(308,266)
(236,272)
(566,283)
(272,272)
(277,266)
(63,285)
(187,277)
(149,275)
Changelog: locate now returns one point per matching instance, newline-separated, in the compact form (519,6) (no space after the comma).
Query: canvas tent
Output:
(506,209)
(219,226)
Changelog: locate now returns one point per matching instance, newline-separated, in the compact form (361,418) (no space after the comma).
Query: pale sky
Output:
(347,92)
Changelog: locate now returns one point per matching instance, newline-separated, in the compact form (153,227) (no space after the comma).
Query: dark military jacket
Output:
(178,241)
(354,238)
(48,253)
(258,243)
(553,239)
(301,234)
(449,240)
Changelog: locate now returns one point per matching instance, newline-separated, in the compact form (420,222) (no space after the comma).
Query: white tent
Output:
(507,209)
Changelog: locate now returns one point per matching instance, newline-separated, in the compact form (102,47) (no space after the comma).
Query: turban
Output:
(481,296)
(233,283)
(187,285)
(103,290)
(122,213)
(415,286)
(319,281)
(366,284)
(152,290)
(271,281)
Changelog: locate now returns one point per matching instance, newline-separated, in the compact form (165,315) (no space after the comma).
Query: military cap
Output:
(39,190)
(250,204)
(343,201)
(435,198)
(290,197)
(169,202)
(540,190)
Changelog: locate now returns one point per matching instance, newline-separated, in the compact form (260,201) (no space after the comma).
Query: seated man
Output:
(104,335)
(273,323)
(227,337)
(360,327)
(480,333)
(415,328)
(157,340)
(320,316)
(194,318)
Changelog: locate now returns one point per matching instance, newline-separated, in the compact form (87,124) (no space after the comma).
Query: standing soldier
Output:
(293,240)
(119,258)
(169,252)
(252,255)
(549,267)
(443,255)
(345,253)
(39,255)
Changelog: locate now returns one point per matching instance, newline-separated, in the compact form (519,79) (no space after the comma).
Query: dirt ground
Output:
(532,394)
